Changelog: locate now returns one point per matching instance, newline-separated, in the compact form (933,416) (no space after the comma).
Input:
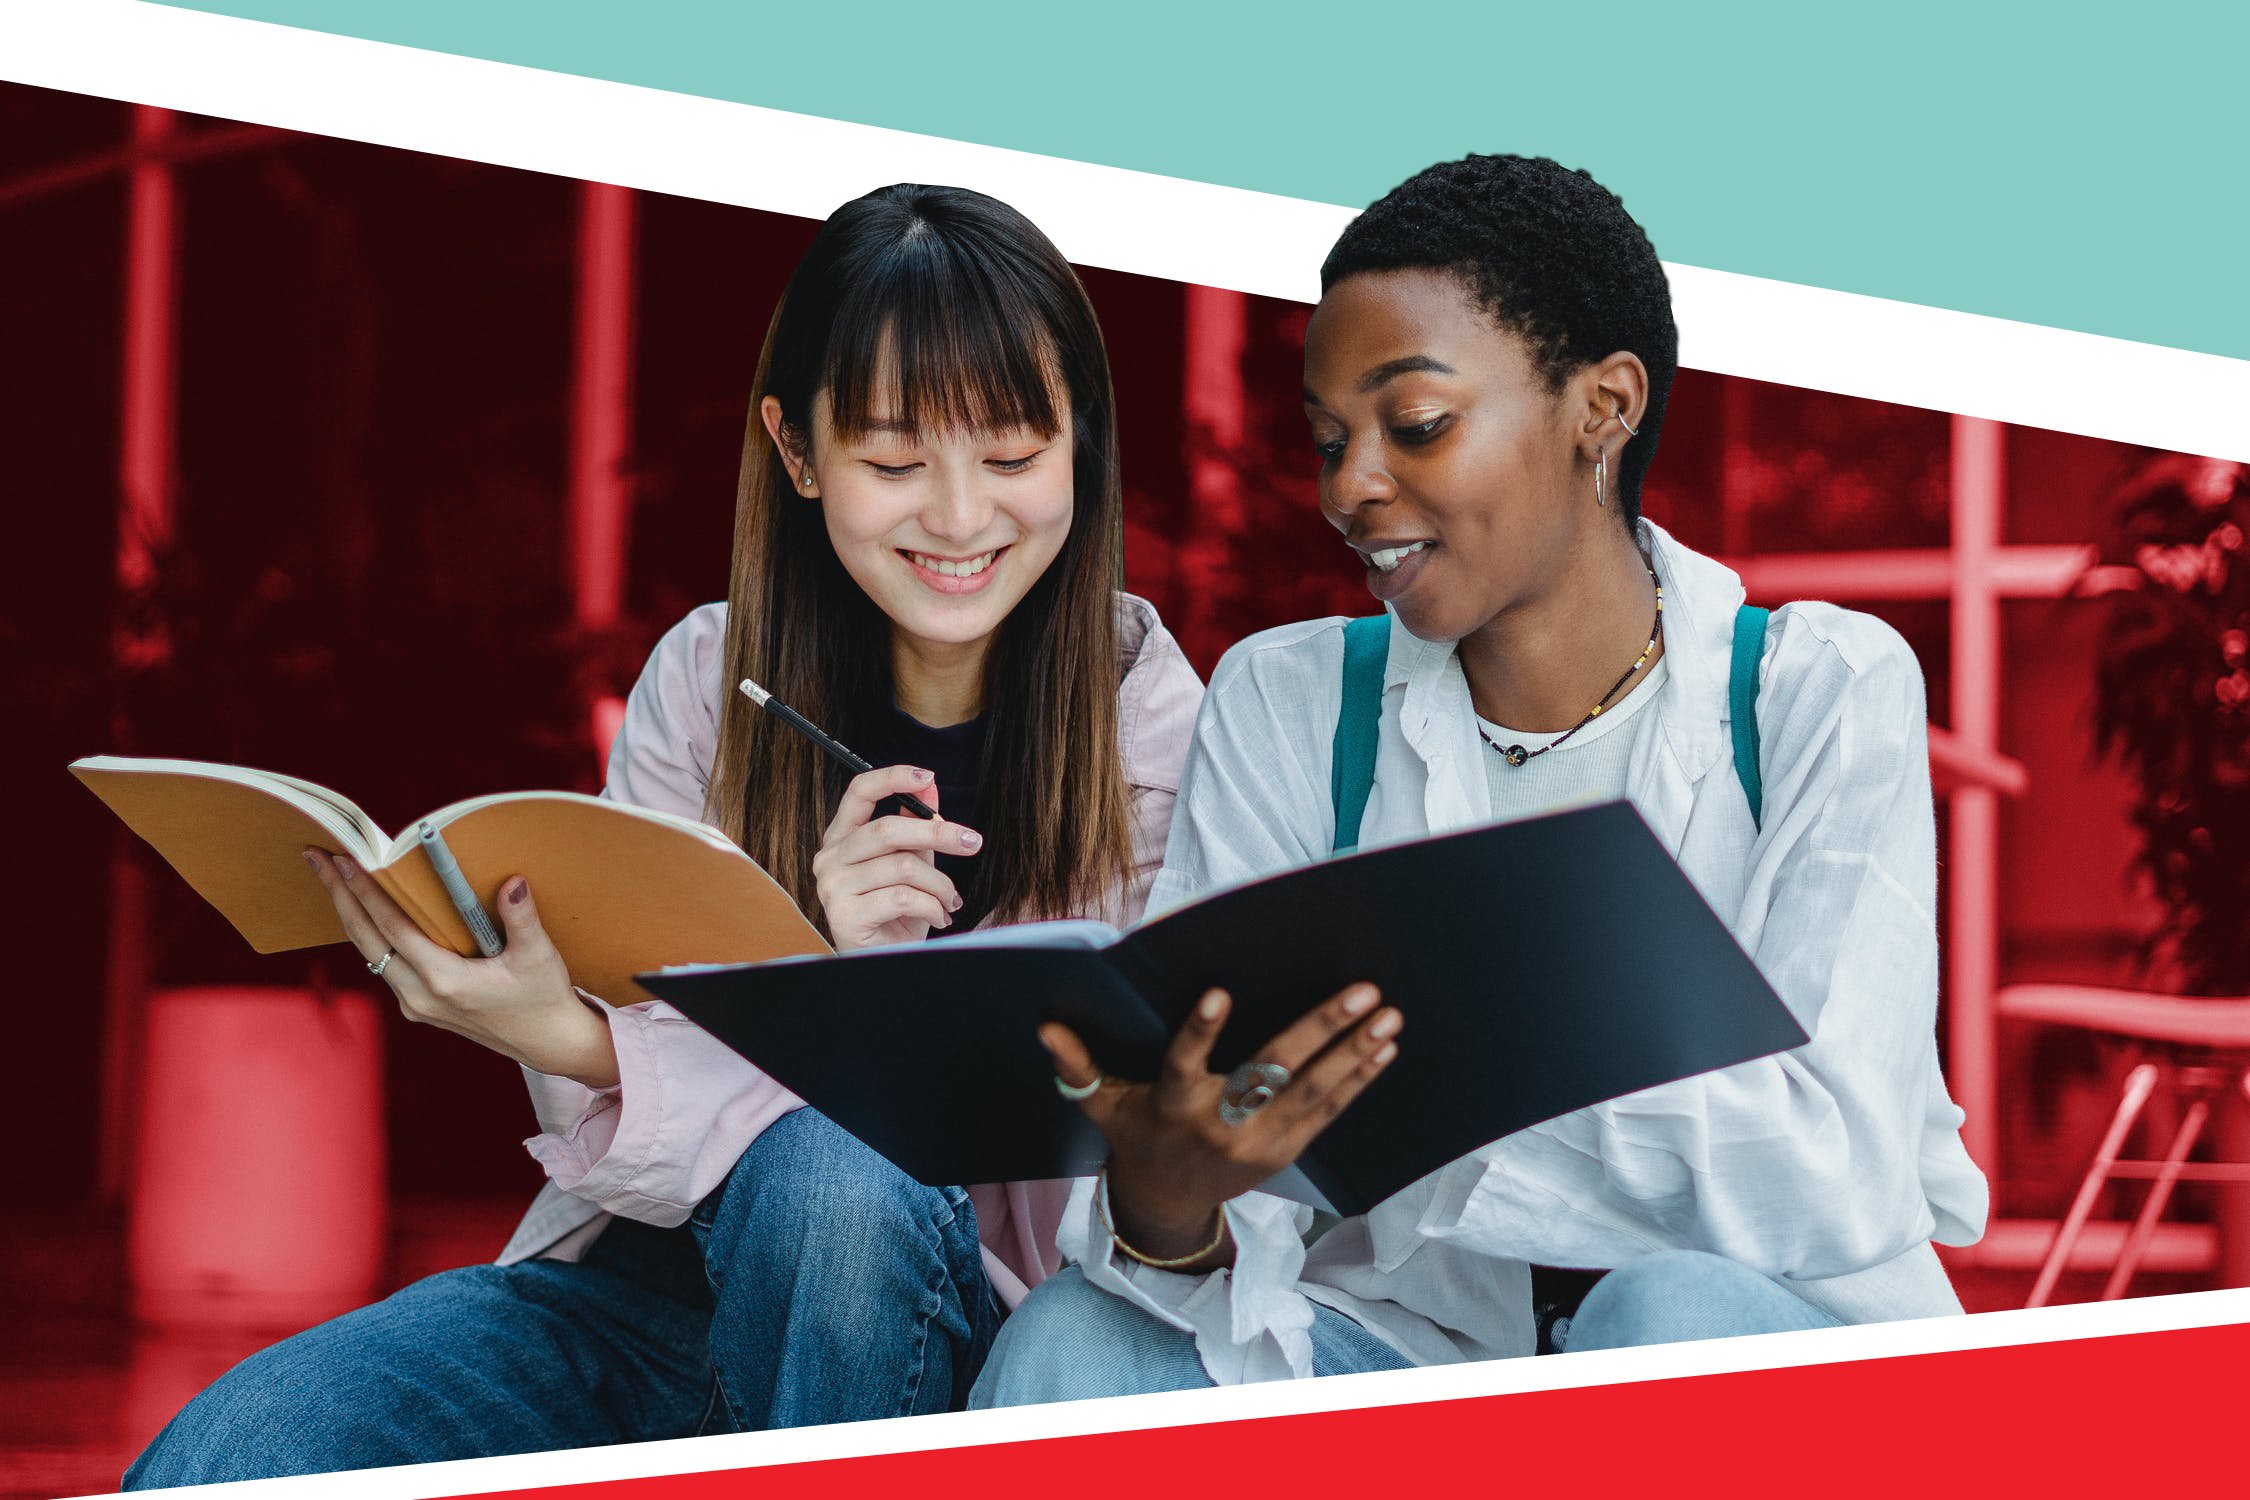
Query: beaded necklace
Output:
(1516,755)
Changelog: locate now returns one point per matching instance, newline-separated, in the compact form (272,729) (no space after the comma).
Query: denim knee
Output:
(328,1398)
(804,1184)
(1676,1296)
(251,1423)
(470,1362)
(1071,1341)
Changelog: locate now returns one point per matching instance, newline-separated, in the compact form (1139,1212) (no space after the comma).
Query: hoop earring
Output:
(1601,476)
(1619,413)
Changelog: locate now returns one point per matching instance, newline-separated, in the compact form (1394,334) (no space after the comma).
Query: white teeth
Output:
(969,569)
(1390,557)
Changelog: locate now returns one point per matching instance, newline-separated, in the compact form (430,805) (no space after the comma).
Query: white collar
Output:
(1701,596)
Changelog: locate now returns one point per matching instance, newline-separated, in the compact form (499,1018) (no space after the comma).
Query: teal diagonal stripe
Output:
(2008,160)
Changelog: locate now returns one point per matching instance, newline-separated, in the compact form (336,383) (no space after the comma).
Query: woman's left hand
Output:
(519,1003)
(1176,1159)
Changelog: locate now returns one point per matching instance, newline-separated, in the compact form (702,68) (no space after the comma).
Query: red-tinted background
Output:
(367,574)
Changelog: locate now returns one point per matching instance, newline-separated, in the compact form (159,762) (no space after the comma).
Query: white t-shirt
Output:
(1589,766)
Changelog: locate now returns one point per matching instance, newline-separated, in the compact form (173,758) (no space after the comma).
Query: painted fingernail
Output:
(311,863)
(945,921)
(958,903)
(1360,1001)
(518,891)
(971,839)
(1212,1003)
(345,867)
(1390,1050)
(924,778)
(1384,1025)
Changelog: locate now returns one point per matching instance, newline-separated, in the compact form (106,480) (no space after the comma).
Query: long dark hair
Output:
(985,326)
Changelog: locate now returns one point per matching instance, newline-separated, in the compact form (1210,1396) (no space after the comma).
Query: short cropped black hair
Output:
(1550,254)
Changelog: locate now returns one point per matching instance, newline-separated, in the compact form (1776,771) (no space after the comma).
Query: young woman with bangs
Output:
(927,561)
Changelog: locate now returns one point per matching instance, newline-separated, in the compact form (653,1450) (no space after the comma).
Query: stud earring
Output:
(807,479)
(1601,476)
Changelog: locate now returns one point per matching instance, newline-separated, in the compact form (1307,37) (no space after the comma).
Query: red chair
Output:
(2204,1047)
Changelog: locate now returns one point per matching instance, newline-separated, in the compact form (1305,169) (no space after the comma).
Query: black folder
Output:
(1542,966)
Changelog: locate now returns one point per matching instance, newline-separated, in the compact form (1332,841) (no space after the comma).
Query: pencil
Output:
(835,748)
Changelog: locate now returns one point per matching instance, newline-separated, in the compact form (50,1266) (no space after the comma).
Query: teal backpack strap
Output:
(1742,705)
(1351,776)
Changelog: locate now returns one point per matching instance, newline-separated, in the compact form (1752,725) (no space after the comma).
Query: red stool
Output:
(2204,1045)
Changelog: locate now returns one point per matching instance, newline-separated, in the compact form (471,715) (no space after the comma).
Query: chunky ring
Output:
(1251,1088)
(1077,1091)
(376,968)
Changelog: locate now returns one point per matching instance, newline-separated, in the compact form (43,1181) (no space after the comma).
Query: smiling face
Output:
(948,531)
(1446,461)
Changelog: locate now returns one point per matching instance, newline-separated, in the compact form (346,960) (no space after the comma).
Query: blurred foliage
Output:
(1815,472)
(2172,705)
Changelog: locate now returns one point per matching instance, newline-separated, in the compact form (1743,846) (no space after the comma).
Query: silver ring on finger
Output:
(376,968)
(1249,1089)
(1075,1092)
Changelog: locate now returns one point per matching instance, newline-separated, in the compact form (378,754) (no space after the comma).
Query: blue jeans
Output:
(819,1284)
(1676,1296)
(1070,1340)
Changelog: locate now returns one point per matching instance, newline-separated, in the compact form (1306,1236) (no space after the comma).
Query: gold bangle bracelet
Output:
(1101,1207)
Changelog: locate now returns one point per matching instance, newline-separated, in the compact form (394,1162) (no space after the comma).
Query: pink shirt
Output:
(686,1105)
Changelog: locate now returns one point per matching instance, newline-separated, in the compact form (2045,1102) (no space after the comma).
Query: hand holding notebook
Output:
(1191,1141)
(517,1000)
(620,888)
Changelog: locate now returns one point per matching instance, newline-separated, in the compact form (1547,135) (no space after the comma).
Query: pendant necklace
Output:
(1516,755)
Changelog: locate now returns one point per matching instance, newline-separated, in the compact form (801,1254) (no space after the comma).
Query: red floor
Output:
(81,1390)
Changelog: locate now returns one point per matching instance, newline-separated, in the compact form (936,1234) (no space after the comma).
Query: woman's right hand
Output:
(1174,1162)
(877,878)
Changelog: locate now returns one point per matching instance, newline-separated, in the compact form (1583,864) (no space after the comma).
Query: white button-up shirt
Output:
(1830,1168)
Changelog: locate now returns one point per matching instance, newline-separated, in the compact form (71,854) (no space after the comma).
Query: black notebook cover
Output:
(1542,966)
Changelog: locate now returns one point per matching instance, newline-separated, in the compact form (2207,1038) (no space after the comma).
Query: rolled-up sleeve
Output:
(1249,1321)
(651,1148)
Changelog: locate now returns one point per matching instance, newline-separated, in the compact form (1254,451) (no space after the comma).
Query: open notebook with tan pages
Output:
(621,889)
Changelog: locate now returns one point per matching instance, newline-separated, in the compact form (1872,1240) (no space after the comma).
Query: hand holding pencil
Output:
(877,876)
(876,872)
